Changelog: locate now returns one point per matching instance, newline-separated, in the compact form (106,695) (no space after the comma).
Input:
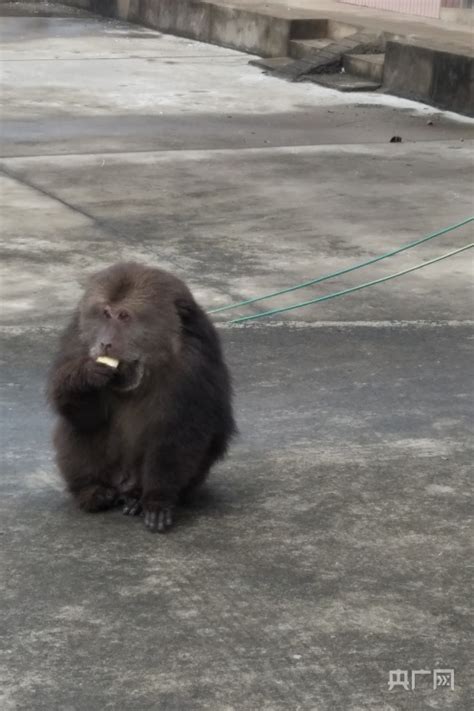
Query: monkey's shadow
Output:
(208,501)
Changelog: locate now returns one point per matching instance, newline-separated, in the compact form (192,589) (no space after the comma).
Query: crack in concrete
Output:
(74,208)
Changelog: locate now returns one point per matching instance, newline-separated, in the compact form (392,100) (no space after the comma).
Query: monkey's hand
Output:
(97,375)
(158,519)
(74,389)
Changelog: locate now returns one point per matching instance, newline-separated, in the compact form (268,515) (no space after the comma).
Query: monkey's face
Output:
(141,336)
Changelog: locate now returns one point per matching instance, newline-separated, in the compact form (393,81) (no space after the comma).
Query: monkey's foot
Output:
(159,519)
(96,498)
(132,506)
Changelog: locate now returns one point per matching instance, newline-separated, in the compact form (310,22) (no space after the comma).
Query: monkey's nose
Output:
(105,347)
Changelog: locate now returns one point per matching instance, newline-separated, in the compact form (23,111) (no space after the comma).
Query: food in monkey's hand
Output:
(105,360)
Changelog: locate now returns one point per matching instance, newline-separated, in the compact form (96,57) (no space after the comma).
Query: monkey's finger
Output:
(168,518)
(132,507)
(159,521)
(161,525)
(151,520)
(136,509)
(165,520)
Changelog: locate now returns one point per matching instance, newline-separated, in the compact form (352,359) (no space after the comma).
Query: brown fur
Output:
(148,432)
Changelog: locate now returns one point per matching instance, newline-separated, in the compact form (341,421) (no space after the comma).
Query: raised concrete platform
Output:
(441,78)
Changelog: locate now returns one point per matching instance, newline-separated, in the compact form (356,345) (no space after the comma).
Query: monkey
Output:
(142,394)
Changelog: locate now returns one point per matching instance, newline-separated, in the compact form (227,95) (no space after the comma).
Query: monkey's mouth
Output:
(129,375)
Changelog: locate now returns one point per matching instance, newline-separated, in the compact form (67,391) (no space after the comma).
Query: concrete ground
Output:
(332,546)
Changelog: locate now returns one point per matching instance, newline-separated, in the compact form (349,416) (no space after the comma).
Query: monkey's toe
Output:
(132,507)
(159,521)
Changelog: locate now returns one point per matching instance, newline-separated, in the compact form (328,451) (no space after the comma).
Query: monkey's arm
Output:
(76,384)
(162,472)
(76,392)
(172,458)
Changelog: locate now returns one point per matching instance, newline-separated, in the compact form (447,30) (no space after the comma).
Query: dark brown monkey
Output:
(148,431)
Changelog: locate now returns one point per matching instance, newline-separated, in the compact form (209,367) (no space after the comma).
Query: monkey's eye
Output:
(123,316)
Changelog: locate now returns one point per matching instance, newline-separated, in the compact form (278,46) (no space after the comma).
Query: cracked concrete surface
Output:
(333,543)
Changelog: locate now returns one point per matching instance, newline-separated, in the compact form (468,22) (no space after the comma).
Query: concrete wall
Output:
(242,29)
(440,78)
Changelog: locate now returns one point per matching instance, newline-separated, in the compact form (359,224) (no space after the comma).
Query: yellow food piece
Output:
(105,360)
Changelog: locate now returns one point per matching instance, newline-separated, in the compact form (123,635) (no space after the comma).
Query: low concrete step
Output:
(303,48)
(296,69)
(275,65)
(343,82)
(368,66)
(272,64)
(320,55)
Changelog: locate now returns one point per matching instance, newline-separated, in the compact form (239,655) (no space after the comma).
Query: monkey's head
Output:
(131,312)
